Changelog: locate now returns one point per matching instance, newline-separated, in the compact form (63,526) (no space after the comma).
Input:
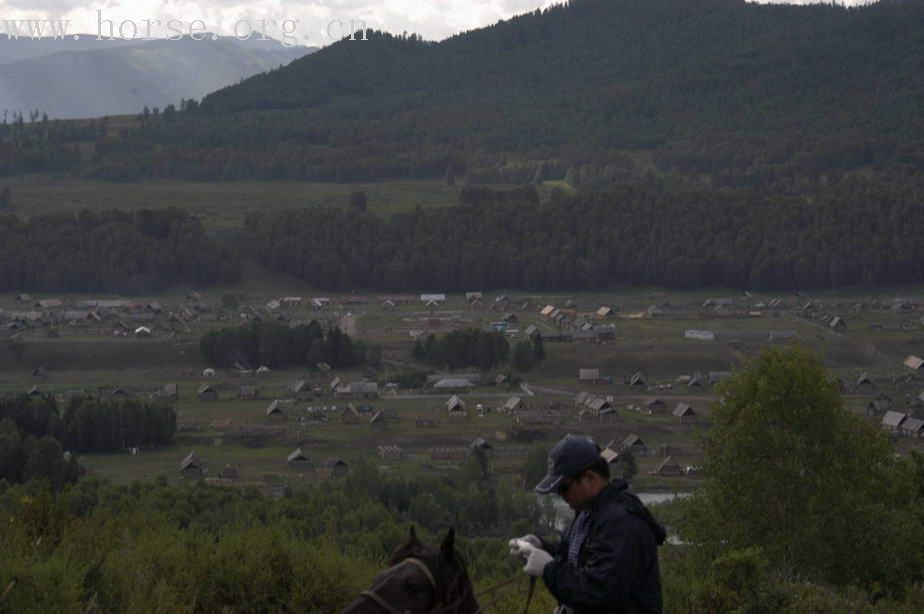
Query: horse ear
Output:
(412,536)
(448,542)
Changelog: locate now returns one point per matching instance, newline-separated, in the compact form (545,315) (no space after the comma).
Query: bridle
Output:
(391,609)
(371,594)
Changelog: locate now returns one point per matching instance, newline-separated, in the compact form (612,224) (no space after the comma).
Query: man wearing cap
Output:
(607,559)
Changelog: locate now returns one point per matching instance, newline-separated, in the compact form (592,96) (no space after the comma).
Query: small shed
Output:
(349,415)
(207,393)
(191,467)
(634,444)
(514,405)
(638,380)
(892,421)
(684,413)
(455,406)
(169,391)
(589,376)
(390,452)
(274,412)
(336,467)
(379,421)
(913,427)
(247,393)
(669,468)
(298,461)
(655,406)
(864,382)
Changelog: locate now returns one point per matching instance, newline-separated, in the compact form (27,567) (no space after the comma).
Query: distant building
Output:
(274,412)
(191,467)
(207,393)
(298,461)
(700,335)
(684,413)
(669,468)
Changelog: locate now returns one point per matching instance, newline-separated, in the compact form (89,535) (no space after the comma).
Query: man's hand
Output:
(519,546)
(536,562)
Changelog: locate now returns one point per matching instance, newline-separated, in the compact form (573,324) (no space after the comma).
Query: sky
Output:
(311,22)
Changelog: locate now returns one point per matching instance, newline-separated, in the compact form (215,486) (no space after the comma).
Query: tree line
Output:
(470,347)
(112,251)
(34,434)
(277,345)
(859,232)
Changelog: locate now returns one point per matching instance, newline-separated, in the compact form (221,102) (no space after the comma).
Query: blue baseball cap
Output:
(569,458)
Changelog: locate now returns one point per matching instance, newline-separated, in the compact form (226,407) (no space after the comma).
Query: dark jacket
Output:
(618,562)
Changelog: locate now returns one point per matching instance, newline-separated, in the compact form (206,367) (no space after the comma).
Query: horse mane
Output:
(451,575)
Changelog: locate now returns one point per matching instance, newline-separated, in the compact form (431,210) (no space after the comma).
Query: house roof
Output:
(913,425)
(669,462)
(512,402)
(205,388)
(632,440)
(455,402)
(683,409)
(864,379)
(297,455)
(914,362)
(333,461)
(191,460)
(273,408)
(893,418)
(638,379)
(588,374)
(453,382)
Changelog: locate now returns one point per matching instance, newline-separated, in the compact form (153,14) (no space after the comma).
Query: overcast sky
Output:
(434,19)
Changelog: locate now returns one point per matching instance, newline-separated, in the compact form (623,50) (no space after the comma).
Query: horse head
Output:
(420,579)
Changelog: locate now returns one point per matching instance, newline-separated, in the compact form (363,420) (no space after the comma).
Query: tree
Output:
(538,349)
(230,301)
(523,356)
(628,464)
(358,201)
(789,471)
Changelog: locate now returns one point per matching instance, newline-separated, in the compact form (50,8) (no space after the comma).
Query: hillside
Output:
(722,91)
(117,77)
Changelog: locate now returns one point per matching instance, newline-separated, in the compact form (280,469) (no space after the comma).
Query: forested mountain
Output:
(732,92)
(90,78)
(113,251)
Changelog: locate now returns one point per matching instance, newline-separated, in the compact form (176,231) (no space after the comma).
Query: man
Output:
(607,560)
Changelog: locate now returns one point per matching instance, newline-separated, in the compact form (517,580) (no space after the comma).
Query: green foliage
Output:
(680,239)
(627,465)
(230,301)
(469,347)
(790,472)
(410,379)
(276,345)
(522,359)
(114,251)
(358,201)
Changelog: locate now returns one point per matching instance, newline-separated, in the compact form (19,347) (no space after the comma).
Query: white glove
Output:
(518,544)
(536,562)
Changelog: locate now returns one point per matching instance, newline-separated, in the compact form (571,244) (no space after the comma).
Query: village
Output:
(636,370)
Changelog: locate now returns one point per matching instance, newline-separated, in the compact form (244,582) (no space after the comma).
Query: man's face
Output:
(576,491)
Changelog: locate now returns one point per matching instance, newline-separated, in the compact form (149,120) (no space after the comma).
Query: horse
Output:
(420,579)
